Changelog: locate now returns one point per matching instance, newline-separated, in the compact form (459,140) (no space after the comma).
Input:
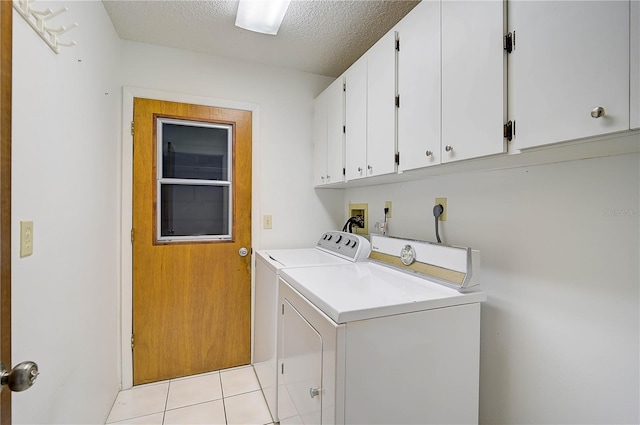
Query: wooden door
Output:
(5,200)
(191,298)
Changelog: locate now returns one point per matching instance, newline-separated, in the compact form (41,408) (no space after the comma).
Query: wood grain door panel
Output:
(191,300)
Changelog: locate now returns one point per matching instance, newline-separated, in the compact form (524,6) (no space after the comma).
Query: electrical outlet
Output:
(267,222)
(443,202)
(387,204)
(26,238)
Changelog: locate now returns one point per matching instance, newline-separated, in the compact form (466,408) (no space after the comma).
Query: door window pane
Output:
(194,180)
(193,152)
(194,210)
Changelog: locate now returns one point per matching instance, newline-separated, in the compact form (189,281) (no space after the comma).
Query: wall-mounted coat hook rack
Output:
(37,19)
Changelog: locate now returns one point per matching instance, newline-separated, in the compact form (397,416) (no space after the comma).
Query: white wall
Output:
(283,175)
(560,248)
(65,178)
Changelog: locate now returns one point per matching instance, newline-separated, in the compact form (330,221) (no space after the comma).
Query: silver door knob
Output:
(428,153)
(597,112)
(20,378)
(314,392)
(243,252)
(448,148)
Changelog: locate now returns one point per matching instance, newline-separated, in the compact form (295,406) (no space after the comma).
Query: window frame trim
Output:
(159,181)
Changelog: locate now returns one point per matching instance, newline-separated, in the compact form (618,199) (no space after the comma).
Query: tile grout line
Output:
(166,401)
(224,405)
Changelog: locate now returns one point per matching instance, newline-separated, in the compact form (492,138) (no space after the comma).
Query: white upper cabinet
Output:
(370,140)
(320,140)
(635,64)
(473,79)
(328,135)
(381,106)
(419,87)
(356,120)
(569,70)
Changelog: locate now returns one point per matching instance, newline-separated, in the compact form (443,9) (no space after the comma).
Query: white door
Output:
(335,134)
(381,106)
(301,367)
(320,139)
(419,87)
(328,135)
(356,120)
(570,58)
(473,61)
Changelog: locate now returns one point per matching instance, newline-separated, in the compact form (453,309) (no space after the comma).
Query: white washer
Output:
(392,340)
(333,248)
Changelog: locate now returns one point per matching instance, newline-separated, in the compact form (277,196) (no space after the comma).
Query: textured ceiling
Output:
(322,37)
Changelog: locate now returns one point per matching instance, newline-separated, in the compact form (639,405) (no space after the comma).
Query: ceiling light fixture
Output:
(263,16)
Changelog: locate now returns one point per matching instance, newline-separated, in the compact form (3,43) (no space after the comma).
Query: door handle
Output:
(20,378)
(243,252)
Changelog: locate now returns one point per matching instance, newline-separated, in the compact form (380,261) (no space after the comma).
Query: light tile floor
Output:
(230,396)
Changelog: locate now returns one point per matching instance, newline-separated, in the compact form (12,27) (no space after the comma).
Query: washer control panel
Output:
(346,245)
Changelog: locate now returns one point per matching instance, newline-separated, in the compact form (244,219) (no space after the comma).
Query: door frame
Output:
(126,206)
(6,66)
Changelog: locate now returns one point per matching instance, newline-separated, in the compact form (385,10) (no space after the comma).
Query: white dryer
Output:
(333,248)
(392,340)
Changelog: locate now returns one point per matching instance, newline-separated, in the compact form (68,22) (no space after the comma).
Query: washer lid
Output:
(300,257)
(367,290)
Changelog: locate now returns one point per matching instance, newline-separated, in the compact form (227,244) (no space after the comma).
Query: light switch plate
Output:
(26,238)
(267,222)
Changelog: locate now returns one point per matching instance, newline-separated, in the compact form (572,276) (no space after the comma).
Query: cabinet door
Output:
(356,119)
(335,135)
(419,87)
(473,72)
(569,58)
(635,64)
(302,366)
(320,139)
(381,106)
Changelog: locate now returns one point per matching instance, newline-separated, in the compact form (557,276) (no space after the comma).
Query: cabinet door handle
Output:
(314,392)
(448,148)
(369,167)
(428,153)
(597,112)
(359,169)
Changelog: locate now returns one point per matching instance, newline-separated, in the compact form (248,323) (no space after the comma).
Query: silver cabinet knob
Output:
(20,378)
(448,148)
(359,169)
(369,167)
(597,112)
(243,252)
(314,392)
(428,153)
